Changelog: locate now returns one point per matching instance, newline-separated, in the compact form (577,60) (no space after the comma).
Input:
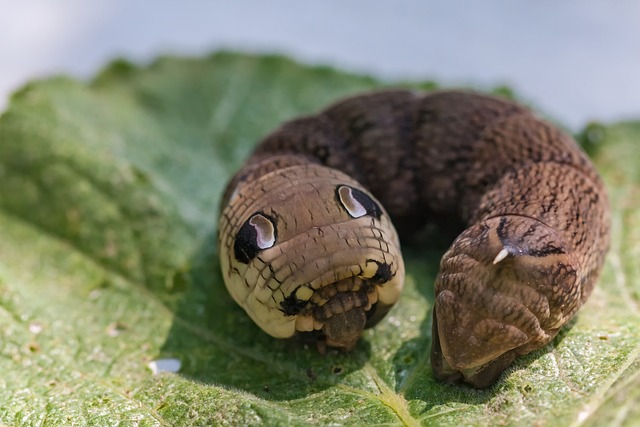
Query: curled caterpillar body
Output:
(307,245)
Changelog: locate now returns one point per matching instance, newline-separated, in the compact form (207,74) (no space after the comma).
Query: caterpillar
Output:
(308,243)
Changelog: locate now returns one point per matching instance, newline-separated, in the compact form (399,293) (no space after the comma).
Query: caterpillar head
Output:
(306,250)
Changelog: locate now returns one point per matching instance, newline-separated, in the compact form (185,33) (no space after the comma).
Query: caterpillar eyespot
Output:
(256,234)
(307,243)
(357,203)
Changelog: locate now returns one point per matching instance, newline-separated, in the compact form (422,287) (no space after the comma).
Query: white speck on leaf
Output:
(35,327)
(164,365)
(116,328)
(583,415)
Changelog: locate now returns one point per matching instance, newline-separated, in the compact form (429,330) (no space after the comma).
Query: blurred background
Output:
(576,60)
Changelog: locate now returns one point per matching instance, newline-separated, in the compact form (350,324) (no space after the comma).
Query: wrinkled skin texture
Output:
(535,210)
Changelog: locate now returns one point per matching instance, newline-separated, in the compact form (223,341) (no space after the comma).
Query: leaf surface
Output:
(109,197)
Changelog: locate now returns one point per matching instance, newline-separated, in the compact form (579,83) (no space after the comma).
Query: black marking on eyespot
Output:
(292,305)
(248,241)
(353,200)
(383,274)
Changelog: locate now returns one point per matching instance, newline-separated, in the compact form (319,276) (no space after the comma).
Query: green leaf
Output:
(109,197)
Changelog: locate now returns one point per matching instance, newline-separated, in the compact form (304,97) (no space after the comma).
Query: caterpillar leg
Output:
(505,287)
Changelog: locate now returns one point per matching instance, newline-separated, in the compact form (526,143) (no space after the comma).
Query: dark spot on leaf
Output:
(311,375)
(116,328)
(140,175)
(179,282)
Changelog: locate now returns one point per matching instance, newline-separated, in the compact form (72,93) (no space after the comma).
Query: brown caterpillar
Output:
(306,247)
